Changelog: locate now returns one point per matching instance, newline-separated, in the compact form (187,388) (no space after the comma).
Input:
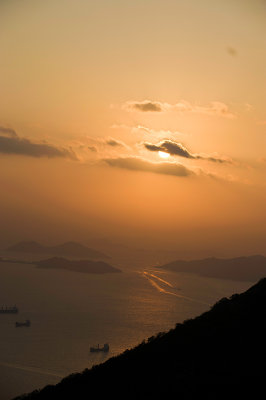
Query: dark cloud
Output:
(177,149)
(171,147)
(139,164)
(11,143)
(147,106)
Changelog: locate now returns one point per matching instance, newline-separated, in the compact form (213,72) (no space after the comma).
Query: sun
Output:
(162,154)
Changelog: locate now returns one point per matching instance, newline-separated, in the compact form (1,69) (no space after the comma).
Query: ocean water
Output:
(70,312)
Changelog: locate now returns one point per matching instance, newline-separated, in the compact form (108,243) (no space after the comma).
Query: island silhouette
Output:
(249,268)
(67,249)
(84,266)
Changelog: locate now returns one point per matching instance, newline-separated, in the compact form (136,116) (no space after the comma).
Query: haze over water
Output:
(71,312)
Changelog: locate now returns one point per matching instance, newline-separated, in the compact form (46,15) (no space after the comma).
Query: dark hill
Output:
(68,249)
(218,355)
(85,266)
(241,268)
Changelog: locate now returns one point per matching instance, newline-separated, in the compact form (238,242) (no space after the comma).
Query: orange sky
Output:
(92,94)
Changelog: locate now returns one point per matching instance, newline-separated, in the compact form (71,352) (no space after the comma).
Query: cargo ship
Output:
(105,348)
(9,310)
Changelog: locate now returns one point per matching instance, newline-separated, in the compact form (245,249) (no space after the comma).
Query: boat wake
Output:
(30,369)
(159,279)
(152,279)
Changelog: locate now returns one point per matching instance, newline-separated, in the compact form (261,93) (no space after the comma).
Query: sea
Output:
(70,312)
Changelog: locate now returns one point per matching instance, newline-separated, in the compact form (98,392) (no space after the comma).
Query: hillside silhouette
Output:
(68,249)
(84,266)
(218,355)
(248,269)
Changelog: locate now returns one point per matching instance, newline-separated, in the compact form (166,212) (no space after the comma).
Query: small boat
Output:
(105,348)
(20,324)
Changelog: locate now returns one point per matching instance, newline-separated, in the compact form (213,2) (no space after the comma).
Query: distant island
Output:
(84,266)
(218,355)
(68,249)
(248,269)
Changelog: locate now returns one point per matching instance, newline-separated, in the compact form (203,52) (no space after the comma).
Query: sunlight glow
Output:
(162,154)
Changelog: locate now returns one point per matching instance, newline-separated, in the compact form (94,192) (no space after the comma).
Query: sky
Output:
(142,122)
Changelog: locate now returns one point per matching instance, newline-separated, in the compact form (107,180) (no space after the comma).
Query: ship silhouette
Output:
(105,348)
(27,324)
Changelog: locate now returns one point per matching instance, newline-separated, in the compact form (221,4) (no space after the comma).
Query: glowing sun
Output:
(162,154)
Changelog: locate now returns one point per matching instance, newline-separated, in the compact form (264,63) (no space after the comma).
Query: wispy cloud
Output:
(93,149)
(177,149)
(11,143)
(140,164)
(161,133)
(157,133)
(115,143)
(102,144)
(215,108)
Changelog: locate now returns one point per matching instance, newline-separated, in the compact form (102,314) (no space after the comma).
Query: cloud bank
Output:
(11,143)
(140,164)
